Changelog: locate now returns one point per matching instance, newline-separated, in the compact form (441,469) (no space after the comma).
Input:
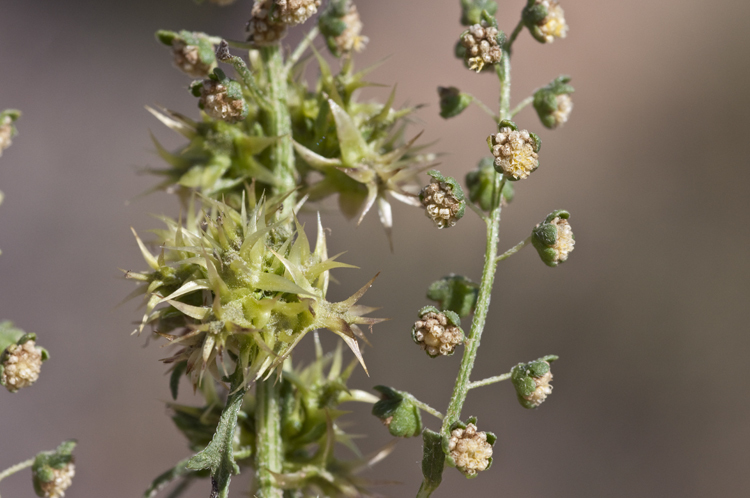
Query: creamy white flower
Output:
(470,450)
(436,334)
(21,365)
(481,46)
(514,153)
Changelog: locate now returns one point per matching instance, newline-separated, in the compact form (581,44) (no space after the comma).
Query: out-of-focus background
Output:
(649,315)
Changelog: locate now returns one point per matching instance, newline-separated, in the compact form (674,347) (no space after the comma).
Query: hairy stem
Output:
(269,453)
(423,406)
(510,252)
(301,48)
(513,36)
(521,106)
(489,380)
(278,123)
(16,468)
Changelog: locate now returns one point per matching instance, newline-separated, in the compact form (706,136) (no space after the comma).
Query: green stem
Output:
(484,107)
(520,107)
(426,489)
(300,50)
(489,380)
(423,406)
(222,53)
(503,74)
(510,252)
(16,468)
(269,453)
(513,36)
(278,123)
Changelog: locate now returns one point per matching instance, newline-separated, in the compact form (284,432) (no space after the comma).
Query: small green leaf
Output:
(455,293)
(174,380)
(433,460)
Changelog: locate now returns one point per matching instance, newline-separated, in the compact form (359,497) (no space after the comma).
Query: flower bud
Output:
(437,332)
(471,10)
(443,200)
(553,238)
(221,98)
(7,129)
(342,28)
(481,185)
(553,102)
(452,101)
(482,47)
(515,151)
(545,20)
(21,359)
(52,471)
(293,12)
(468,449)
(398,412)
(193,52)
(263,30)
(455,293)
(532,381)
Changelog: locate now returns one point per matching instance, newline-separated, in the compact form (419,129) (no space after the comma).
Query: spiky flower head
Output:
(482,45)
(437,332)
(443,200)
(532,381)
(553,102)
(515,151)
(369,161)
(341,26)
(193,52)
(481,183)
(398,412)
(7,129)
(264,28)
(293,12)
(471,10)
(52,471)
(545,20)
(221,98)
(553,238)
(20,358)
(243,282)
(468,449)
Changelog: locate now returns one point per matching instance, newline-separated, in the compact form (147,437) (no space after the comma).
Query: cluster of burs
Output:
(20,365)
(234,283)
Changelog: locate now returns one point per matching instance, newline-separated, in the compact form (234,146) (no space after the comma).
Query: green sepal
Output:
(174,379)
(456,190)
(544,237)
(489,20)
(332,25)
(537,141)
(507,123)
(433,460)
(481,183)
(452,101)
(533,13)
(166,37)
(471,10)
(522,376)
(455,293)
(46,462)
(218,456)
(398,412)
(545,99)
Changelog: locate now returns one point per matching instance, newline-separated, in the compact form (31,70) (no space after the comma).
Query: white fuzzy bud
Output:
(481,46)
(441,206)
(293,12)
(21,365)
(514,153)
(435,334)
(470,450)
(217,104)
(554,25)
(62,480)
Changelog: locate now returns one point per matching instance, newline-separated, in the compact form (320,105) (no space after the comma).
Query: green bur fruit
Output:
(396,410)
(244,283)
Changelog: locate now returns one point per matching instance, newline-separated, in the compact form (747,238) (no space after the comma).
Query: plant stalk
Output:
(510,252)
(269,450)
(16,468)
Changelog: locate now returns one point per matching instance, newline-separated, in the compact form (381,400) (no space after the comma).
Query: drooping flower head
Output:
(52,471)
(553,103)
(481,46)
(193,52)
(553,238)
(545,20)
(341,26)
(20,358)
(532,381)
(242,282)
(7,128)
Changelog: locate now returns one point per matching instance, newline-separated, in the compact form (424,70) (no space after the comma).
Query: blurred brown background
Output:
(649,315)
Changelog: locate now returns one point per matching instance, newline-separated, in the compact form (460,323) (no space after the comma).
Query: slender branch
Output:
(424,406)
(478,211)
(222,53)
(510,252)
(484,107)
(300,50)
(16,468)
(513,36)
(520,107)
(489,380)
